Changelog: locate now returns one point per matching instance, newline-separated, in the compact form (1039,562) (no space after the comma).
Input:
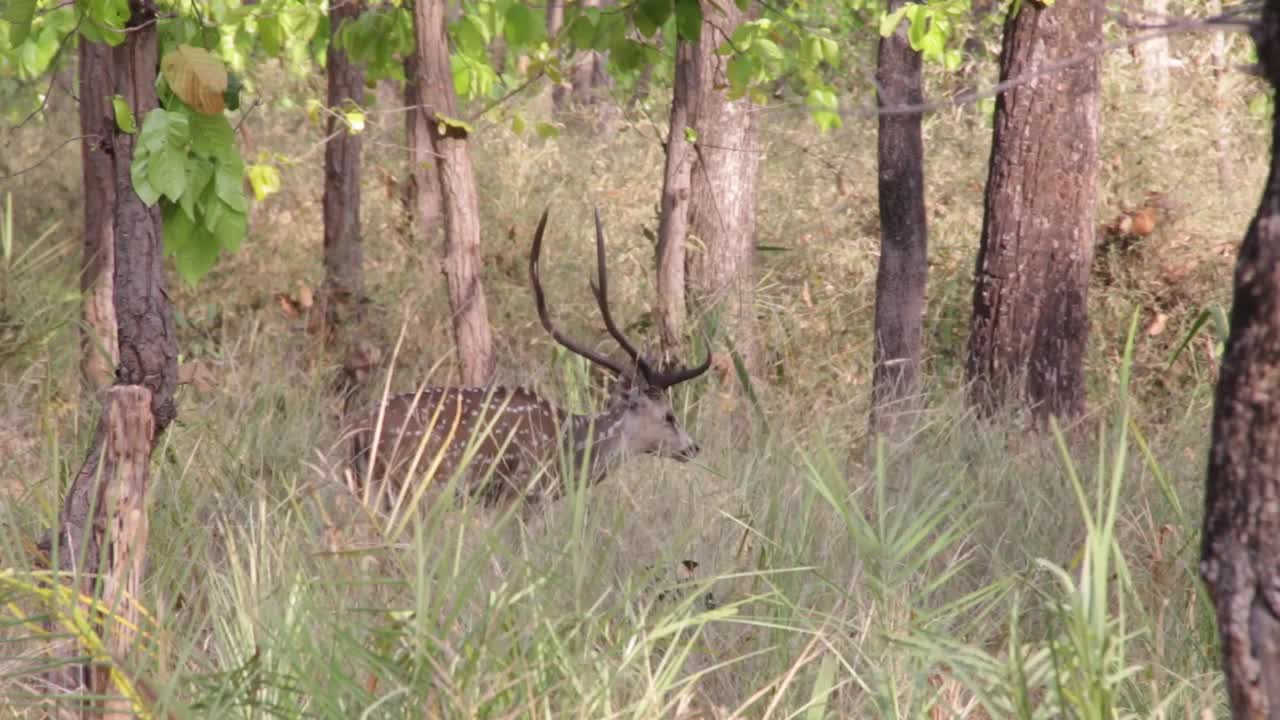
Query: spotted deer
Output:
(513,443)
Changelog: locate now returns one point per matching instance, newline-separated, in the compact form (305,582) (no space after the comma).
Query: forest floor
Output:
(975,580)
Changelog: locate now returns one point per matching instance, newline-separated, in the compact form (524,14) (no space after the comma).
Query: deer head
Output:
(639,418)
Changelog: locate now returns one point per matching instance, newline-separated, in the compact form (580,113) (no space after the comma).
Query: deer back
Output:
(507,438)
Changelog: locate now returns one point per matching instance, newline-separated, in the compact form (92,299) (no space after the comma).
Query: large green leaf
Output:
(524,26)
(688,19)
(212,137)
(19,15)
(141,185)
(654,13)
(231,229)
(168,172)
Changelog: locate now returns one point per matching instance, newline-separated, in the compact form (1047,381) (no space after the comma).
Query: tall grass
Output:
(988,573)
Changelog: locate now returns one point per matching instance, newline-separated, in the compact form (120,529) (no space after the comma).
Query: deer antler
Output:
(655,379)
(540,300)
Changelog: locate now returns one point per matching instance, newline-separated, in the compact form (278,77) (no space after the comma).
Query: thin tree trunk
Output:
(673,225)
(1241,536)
(1222,99)
(422,191)
(587,70)
(458,190)
(721,274)
(145,337)
(99,352)
(1153,57)
(343,288)
(1030,320)
(903,269)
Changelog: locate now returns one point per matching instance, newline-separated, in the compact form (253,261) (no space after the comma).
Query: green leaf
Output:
(740,71)
(212,137)
(827,120)
(270,34)
(228,183)
(919,25)
(581,32)
(688,20)
(19,15)
(178,229)
(264,179)
(629,55)
(546,130)
(690,135)
(141,185)
(199,175)
(168,172)
(124,115)
(524,26)
(890,21)
(654,13)
(518,123)
(355,121)
(231,228)
(231,98)
(830,51)
(468,36)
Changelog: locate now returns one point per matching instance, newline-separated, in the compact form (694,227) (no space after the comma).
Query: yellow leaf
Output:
(197,77)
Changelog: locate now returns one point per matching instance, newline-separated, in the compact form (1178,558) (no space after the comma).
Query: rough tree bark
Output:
(1241,536)
(145,332)
(343,289)
(903,269)
(723,189)
(422,191)
(1030,322)
(470,315)
(673,225)
(99,351)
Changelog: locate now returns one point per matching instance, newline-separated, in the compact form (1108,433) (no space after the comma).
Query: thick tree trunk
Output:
(422,191)
(343,289)
(903,270)
(458,191)
(721,274)
(1030,319)
(673,225)
(1241,537)
(145,337)
(99,352)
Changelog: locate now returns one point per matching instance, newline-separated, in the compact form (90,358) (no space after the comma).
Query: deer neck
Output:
(598,437)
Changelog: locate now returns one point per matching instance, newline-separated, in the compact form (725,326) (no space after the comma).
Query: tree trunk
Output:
(145,333)
(99,352)
(1222,99)
(1153,58)
(343,288)
(1241,536)
(723,189)
(422,191)
(587,71)
(673,225)
(1030,320)
(458,191)
(903,269)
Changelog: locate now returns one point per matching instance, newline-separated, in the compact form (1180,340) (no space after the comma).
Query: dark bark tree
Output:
(673,225)
(1241,536)
(461,205)
(1030,321)
(99,351)
(903,270)
(422,191)
(721,275)
(343,289)
(148,352)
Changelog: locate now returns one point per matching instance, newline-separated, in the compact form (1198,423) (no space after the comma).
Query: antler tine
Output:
(654,378)
(601,292)
(545,317)
(672,378)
